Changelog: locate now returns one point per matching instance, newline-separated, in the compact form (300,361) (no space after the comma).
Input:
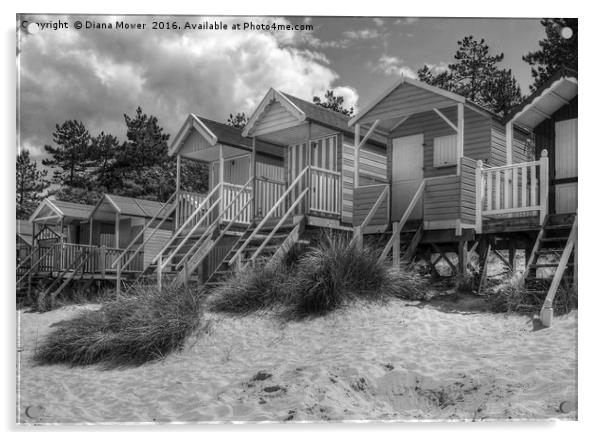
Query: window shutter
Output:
(445,150)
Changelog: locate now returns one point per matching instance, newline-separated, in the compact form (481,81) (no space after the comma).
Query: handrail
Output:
(511,166)
(217,220)
(270,213)
(30,256)
(192,230)
(169,204)
(280,223)
(324,170)
(190,217)
(371,214)
(564,259)
(37,261)
(404,219)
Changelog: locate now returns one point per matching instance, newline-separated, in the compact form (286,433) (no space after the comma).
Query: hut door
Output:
(566,166)
(408,163)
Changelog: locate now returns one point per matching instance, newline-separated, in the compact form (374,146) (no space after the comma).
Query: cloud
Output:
(97,76)
(438,68)
(391,65)
(378,21)
(363,34)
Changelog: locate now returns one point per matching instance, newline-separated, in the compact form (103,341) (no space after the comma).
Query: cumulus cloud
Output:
(378,21)
(391,65)
(96,76)
(406,20)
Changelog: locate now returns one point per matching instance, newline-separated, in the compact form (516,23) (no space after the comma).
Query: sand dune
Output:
(393,362)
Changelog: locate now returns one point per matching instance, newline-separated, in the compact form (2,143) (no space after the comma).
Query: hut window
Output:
(445,151)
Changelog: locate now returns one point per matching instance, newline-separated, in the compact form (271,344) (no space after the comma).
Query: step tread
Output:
(548,239)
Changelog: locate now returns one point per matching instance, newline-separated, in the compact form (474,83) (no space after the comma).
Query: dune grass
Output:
(324,278)
(512,297)
(144,326)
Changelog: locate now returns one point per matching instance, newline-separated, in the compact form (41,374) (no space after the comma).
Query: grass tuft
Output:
(326,277)
(144,326)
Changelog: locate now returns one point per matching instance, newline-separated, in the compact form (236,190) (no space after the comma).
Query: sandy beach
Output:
(399,361)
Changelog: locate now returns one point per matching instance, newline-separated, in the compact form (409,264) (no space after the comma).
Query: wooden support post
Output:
(462,257)
(396,245)
(117,219)
(460,138)
(308,176)
(445,258)
(91,226)
(118,287)
(479,197)
(102,262)
(358,237)
(178,180)
(512,254)
(221,177)
(252,168)
(483,267)
(356,161)
(543,186)
(160,272)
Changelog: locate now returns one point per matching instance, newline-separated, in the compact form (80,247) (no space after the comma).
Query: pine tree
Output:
(477,76)
(333,102)
(556,50)
(238,121)
(72,156)
(31,184)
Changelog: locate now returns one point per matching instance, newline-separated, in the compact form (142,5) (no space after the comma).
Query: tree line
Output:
(84,166)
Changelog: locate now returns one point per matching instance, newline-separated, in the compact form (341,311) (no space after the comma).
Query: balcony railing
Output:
(325,191)
(511,190)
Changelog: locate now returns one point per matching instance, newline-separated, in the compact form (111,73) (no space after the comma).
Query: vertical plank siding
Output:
(155,244)
(194,142)
(477,137)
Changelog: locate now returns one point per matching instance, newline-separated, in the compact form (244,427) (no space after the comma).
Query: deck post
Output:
(253,181)
(356,157)
(221,177)
(103,256)
(479,197)
(462,257)
(543,186)
(512,254)
(178,180)
(308,177)
(396,246)
(159,271)
(359,241)
(460,138)
(118,287)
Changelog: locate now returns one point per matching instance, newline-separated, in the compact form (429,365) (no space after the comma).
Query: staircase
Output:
(268,251)
(545,258)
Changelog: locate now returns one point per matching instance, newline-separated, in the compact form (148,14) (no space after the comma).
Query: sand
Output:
(400,361)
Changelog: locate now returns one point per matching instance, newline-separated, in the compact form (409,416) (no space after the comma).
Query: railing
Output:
(126,256)
(325,194)
(234,197)
(187,203)
(393,242)
(512,189)
(199,217)
(234,208)
(267,193)
(358,232)
(278,205)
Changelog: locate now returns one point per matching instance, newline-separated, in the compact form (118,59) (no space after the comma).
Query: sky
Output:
(96,75)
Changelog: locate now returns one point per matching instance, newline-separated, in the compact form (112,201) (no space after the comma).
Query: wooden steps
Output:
(547,253)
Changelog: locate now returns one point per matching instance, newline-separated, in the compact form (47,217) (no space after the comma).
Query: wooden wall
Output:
(407,98)
(468,195)
(155,244)
(545,138)
(274,115)
(477,137)
(364,198)
(442,200)
(194,142)
(520,152)
(373,170)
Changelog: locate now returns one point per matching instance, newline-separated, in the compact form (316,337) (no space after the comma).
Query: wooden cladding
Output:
(364,198)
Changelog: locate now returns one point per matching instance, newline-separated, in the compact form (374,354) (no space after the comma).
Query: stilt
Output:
(512,254)
(462,257)
(396,250)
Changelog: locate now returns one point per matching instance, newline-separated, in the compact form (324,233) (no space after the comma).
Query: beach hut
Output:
(24,238)
(117,221)
(288,173)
